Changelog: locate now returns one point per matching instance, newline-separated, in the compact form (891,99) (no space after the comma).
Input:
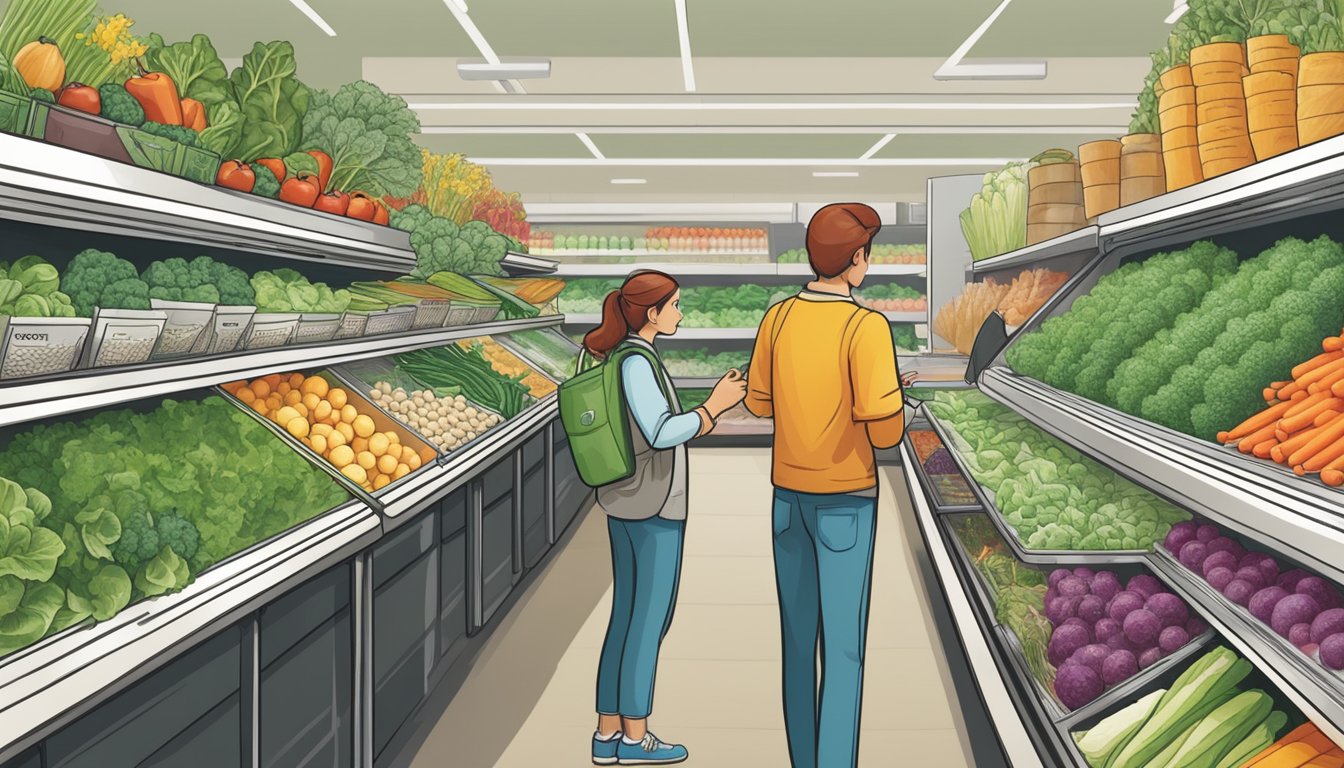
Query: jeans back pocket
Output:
(838,527)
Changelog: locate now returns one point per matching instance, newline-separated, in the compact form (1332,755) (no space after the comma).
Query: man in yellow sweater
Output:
(825,369)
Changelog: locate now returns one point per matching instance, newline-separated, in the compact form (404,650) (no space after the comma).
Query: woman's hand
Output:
(729,391)
(909,377)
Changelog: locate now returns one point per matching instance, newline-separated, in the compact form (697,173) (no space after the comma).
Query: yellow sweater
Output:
(825,370)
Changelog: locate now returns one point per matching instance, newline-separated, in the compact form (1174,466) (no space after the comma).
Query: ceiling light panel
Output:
(835,174)
(313,16)
(732,145)
(684,41)
(629,181)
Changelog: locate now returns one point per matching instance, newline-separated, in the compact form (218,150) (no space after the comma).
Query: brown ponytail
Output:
(627,309)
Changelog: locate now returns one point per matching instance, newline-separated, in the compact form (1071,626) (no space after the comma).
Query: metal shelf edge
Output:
(1080,241)
(1013,735)
(95,388)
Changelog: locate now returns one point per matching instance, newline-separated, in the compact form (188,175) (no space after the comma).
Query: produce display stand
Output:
(377,600)
(1262,503)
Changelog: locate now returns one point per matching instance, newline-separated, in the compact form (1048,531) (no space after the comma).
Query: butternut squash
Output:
(41,65)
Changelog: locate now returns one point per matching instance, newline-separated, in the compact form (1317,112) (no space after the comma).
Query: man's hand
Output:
(909,377)
(730,391)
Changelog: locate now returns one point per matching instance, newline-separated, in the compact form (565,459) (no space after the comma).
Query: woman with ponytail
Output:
(646,513)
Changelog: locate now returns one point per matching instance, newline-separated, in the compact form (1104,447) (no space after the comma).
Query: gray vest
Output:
(658,486)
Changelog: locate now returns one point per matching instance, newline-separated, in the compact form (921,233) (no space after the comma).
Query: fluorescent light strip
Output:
(922,106)
(629,181)
(459,10)
(313,16)
(873,150)
(747,162)
(587,142)
(684,39)
(1176,13)
(954,69)
(835,174)
(725,130)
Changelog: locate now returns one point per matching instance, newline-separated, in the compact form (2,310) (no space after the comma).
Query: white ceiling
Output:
(784,88)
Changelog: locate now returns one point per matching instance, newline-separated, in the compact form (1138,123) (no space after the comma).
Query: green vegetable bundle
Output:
(453,366)
(285,290)
(1051,495)
(367,133)
(29,289)
(996,221)
(583,296)
(442,246)
(202,280)
(903,336)
(101,279)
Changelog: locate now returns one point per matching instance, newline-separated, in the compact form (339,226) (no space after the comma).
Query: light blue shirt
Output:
(662,428)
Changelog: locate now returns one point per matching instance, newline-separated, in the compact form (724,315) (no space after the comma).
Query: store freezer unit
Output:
(336,670)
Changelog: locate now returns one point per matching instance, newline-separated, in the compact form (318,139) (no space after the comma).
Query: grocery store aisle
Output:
(528,700)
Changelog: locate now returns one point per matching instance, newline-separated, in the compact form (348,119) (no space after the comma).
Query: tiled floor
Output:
(528,702)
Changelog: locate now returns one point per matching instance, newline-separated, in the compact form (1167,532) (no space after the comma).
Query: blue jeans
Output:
(824,573)
(646,568)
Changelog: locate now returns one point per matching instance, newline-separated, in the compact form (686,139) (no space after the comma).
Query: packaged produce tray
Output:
(185,323)
(122,337)
(270,329)
(547,349)
(15,112)
(41,346)
(225,330)
(1253,679)
(430,313)
(364,376)
(506,362)
(459,313)
(999,576)
(1010,535)
(314,328)
(948,491)
(95,135)
(382,423)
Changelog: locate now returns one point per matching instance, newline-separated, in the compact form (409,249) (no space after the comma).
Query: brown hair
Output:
(836,232)
(627,309)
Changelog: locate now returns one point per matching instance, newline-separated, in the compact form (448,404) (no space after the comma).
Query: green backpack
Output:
(593,414)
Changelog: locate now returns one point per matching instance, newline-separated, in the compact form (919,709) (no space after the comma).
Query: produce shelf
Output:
(432,483)
(45,184)
(1022,739)
(1052,557)
(1303,520)
(879,270)
(52,682)
(38,398)
(906,317)
(927,482)
(1081,242)
(1295,184)
(523,264)
(1317,691)
(641,253)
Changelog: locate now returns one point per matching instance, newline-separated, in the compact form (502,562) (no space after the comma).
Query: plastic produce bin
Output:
(270,329)
(39,346)
(225,330)
(315,328)
(123,336)
(186,321)
(430,313)
(392,320)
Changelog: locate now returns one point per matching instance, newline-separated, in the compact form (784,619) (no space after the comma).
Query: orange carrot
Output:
(1320,741)
(1329,455)
(1332,343)
(1258,421)
(1300,470)
(1304,405)
(1303,419)
(1337,389)
(1255,438)
(1265,449)
(1287,448)
(1325,418)
(1326,383)
(1298,395)
(1280,435)
(1316,362)
(1289,755)
(1332,477)
(1222,438)
(1269,394)
(1324,437)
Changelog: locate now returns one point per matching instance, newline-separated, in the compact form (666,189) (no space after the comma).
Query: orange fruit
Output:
(360,444)
(381,481)
(244,394)
(346,430)
(315,385)
(406,453)
(293,397)
(401,471)
(318,443)
(335,438)
(378,444)
(366,460)
(310,400)
(322,411)
(283,388)
(348,413)
(297,426)
(341,456)
(363,426)
(356,473)
(414,462)
(261,388)
(338,398)
(295,380)
(387,464)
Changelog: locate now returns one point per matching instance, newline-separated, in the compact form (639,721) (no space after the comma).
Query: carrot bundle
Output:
(1302,425)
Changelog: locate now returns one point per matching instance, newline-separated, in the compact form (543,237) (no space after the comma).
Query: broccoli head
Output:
(179,133)
(119,106)
(410,218)
(178,533)
(138,543)
(266,184)
(42,94)
(177,279)
(91,273)
(130,293)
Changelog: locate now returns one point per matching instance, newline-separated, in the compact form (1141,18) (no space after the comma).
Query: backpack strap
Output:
(625,350)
